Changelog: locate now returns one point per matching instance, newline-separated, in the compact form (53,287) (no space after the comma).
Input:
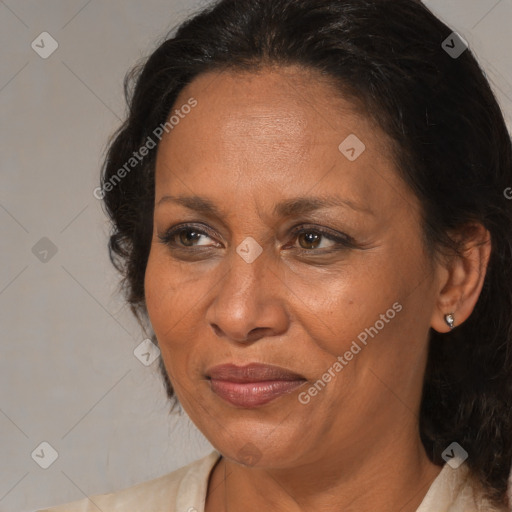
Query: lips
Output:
(252,385)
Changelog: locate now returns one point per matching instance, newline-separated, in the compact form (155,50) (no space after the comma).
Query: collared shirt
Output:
(184,490)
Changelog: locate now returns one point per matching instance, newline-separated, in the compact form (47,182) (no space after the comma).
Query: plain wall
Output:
(68,373)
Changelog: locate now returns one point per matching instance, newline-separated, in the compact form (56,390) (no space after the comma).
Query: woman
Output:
(309,202)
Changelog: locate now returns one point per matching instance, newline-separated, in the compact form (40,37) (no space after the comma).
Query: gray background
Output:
(68,373)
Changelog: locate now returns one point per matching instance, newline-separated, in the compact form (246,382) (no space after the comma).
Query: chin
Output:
(254,442)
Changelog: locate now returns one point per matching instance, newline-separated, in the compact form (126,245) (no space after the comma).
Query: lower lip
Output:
(253,394)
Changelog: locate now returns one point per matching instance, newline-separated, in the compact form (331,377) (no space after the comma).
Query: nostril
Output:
(257,332)
(216,329)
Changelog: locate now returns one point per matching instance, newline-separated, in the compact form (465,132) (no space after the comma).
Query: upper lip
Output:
(253,372)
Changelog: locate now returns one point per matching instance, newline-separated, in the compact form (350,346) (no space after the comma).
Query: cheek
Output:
(342,303)
(169,289)
(158,289)
(165,302)
(172,301)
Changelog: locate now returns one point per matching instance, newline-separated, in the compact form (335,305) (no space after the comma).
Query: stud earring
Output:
(450,320)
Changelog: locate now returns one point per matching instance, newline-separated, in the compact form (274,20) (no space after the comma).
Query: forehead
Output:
(281,128)
(287,103)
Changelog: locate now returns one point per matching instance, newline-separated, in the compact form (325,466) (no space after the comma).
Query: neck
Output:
(388,479)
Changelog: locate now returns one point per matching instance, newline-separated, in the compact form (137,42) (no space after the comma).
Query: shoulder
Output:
(185,488)
(456,490)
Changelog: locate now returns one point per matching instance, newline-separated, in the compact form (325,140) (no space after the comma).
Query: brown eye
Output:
(185,237)
(312,240)
(188,236)
(309,239)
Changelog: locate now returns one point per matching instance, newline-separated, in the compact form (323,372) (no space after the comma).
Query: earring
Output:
(450,320)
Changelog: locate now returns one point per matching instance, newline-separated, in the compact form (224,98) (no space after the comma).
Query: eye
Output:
(186,234)
(310,239)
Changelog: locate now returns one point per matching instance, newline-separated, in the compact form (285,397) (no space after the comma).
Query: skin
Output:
(253,140)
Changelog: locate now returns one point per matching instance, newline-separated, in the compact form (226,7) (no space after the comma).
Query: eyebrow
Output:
(287,208)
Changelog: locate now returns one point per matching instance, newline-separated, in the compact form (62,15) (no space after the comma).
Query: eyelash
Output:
(342,241)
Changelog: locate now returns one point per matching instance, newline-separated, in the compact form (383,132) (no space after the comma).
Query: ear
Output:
(461,277)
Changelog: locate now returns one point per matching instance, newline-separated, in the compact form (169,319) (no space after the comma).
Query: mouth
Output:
(252,385)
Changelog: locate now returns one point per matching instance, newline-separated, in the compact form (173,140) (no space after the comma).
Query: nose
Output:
(250,302)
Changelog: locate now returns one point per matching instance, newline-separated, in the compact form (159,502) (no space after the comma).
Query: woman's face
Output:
(240,287)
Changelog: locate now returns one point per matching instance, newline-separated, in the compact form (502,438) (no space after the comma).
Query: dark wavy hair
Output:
(449,142)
